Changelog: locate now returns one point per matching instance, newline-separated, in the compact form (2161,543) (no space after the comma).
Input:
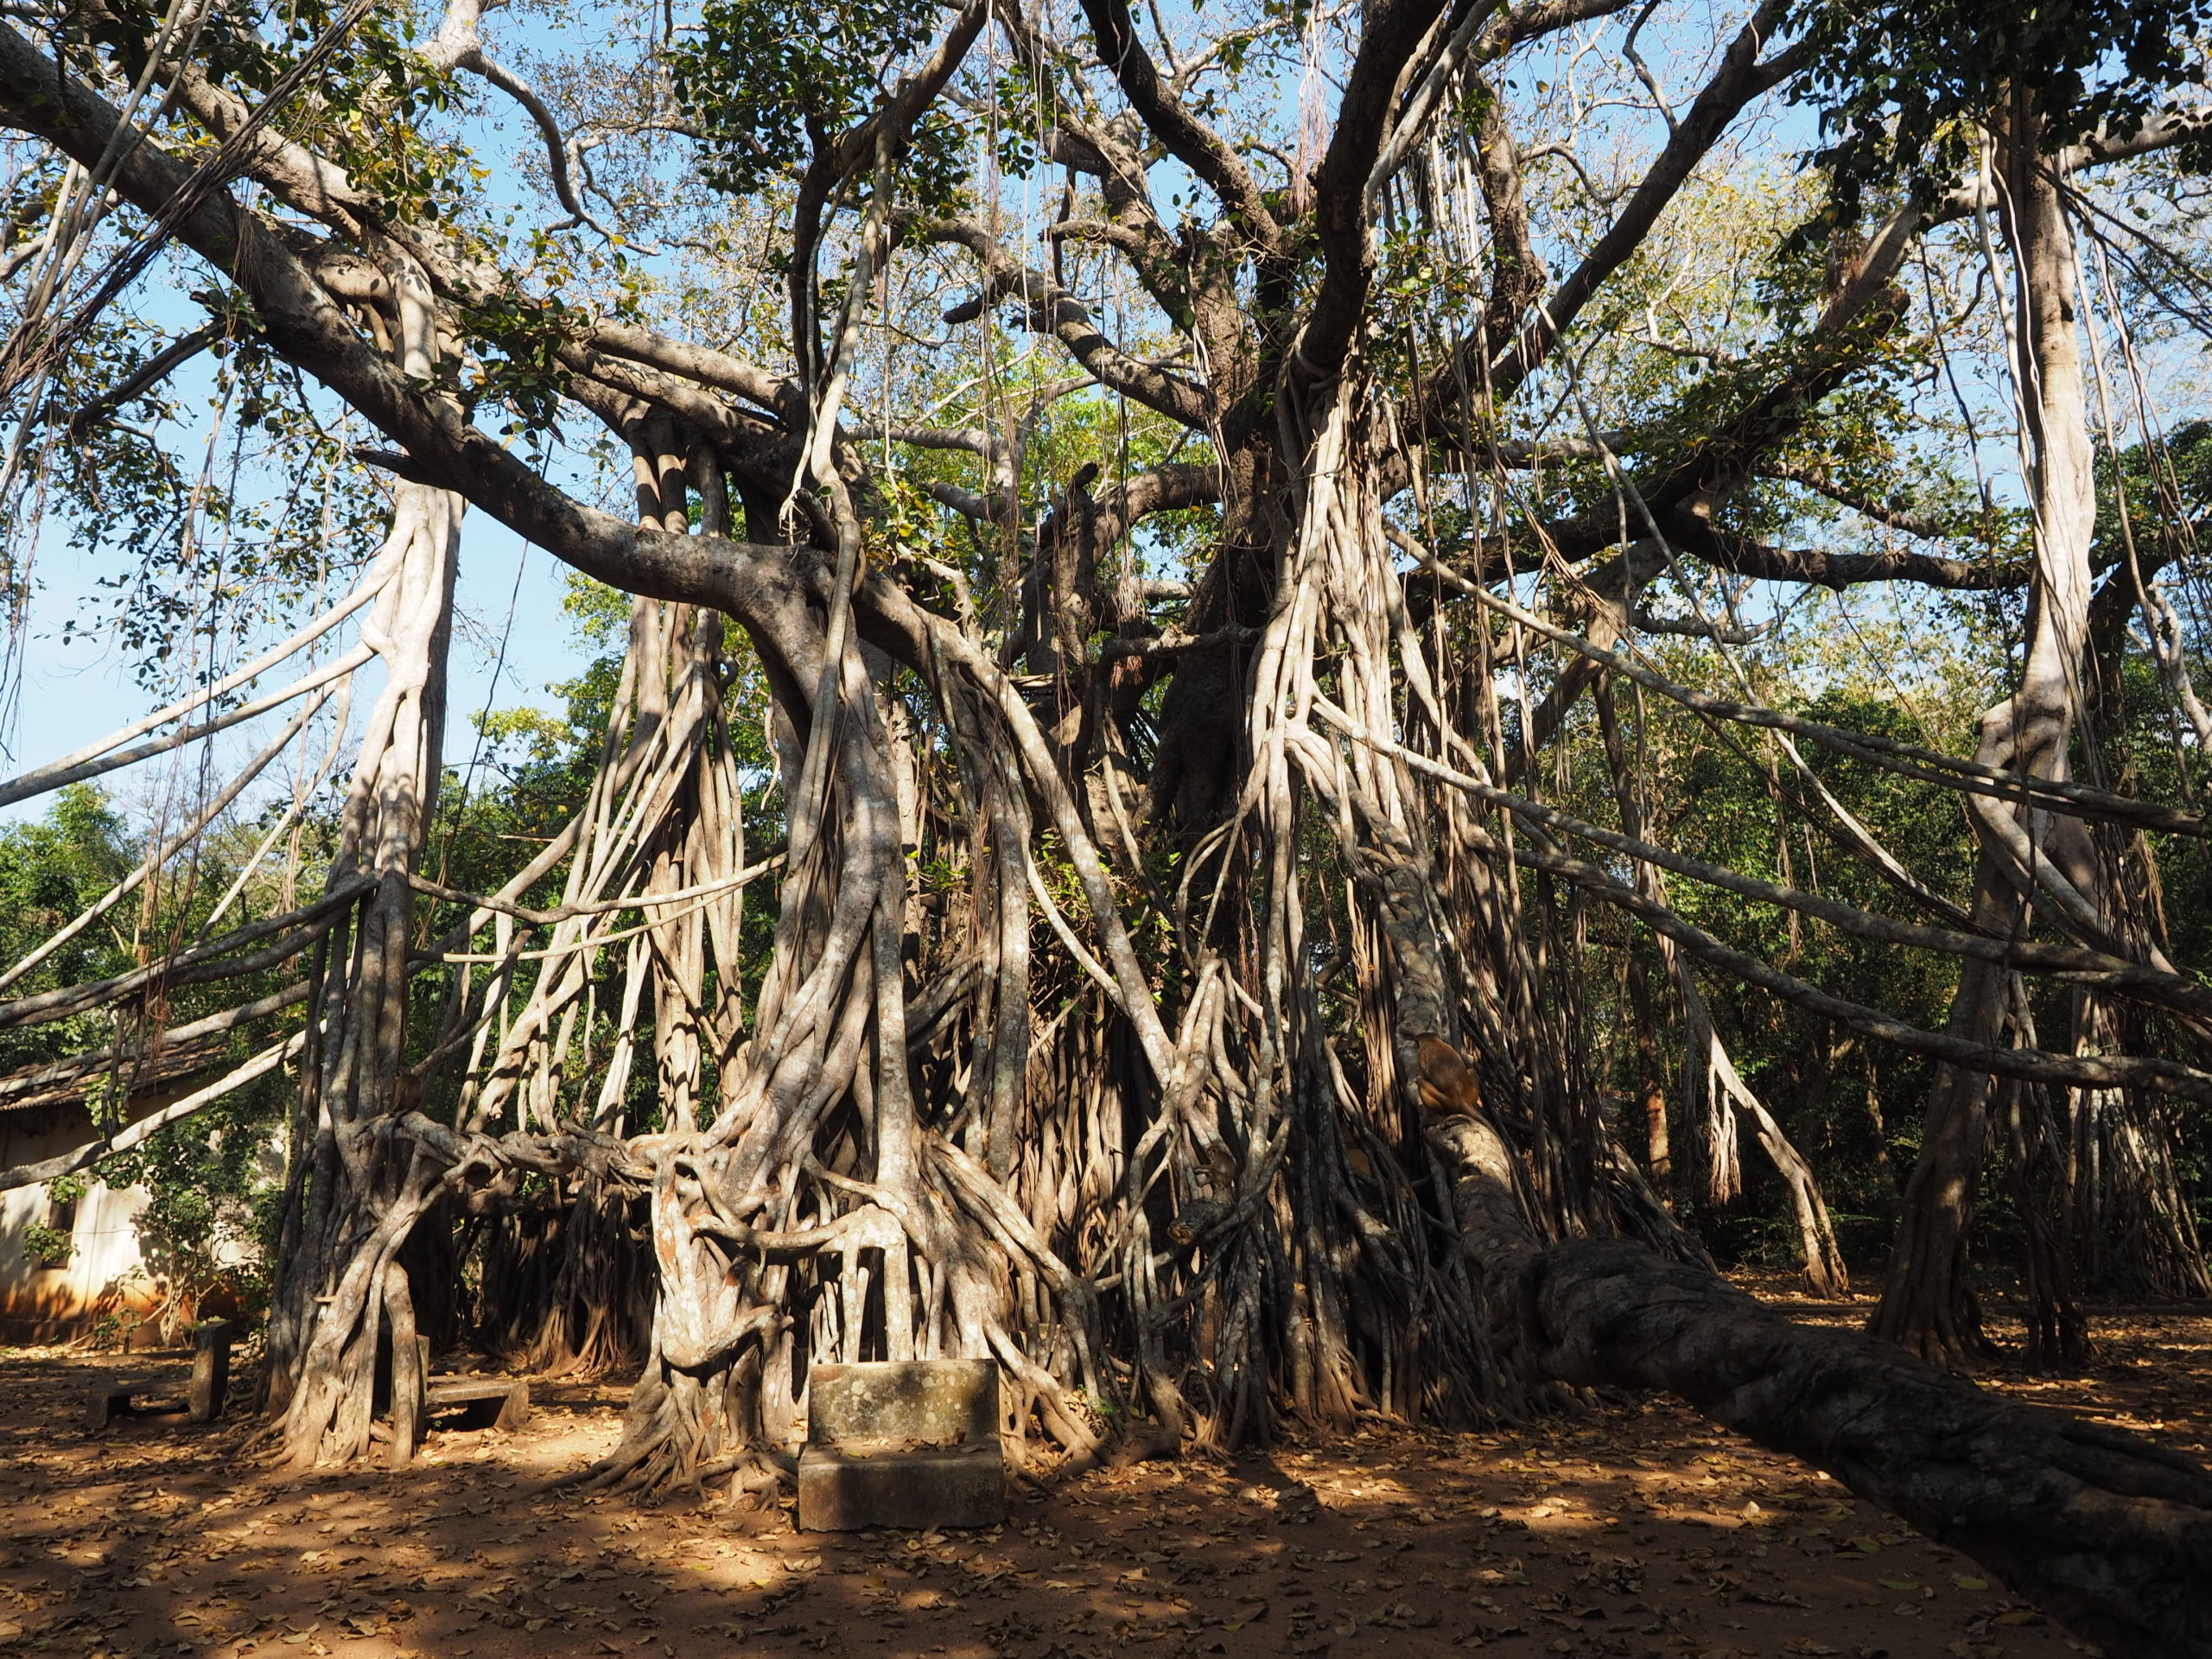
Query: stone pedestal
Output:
(911,1443)
(211,1368)
(842,1489)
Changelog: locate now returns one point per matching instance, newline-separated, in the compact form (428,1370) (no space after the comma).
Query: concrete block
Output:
(107,1400)
(491,1402)
(923,1402)
(211,1370)
(844,1488)
(902,1443)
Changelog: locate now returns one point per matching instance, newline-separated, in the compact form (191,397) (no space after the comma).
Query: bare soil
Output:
(1629,1529)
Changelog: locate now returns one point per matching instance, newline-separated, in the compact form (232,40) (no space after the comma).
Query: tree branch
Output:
(1055,311)
(1186,137)
(1740,79)
(1893,514)
(459,44)
(1688,532)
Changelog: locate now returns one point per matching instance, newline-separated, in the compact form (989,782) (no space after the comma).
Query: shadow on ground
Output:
(1630,1530)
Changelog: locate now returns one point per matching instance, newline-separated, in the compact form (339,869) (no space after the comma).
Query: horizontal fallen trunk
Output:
(2107,1533)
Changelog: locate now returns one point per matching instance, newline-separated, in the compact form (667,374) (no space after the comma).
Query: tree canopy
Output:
(1265,675)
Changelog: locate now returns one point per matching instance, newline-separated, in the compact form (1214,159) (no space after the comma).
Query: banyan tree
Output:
(1163,555)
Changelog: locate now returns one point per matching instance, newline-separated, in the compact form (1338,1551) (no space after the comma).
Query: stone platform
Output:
(911,1443)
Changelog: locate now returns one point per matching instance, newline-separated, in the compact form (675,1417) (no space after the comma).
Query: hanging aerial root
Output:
(673,1415)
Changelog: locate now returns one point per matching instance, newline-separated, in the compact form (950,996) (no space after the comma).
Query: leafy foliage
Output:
(772,84)
(211,1186)
(1900,87)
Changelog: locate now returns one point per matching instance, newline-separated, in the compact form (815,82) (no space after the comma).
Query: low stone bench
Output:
(111,1399)
(902,1443)
(483,1402)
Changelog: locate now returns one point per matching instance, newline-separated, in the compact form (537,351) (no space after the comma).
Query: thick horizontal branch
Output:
(2107,1532)
(729,430)
(966,503)
(723,371)
(1693,627)
(2166,130)
(70,1081)
(1691,533)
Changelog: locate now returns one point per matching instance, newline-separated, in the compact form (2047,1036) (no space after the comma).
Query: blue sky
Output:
(75,690)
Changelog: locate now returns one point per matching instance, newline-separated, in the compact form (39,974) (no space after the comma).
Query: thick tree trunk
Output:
(2107,1533)
(360,1190)
(341,1301)
(2031,863)
(1927,1302)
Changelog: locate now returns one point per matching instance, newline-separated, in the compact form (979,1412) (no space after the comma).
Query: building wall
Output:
(104,1276)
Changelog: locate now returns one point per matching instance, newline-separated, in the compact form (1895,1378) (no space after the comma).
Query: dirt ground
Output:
(1631,1530)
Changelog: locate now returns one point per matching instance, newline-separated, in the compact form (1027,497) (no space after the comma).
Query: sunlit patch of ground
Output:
(1630,1530)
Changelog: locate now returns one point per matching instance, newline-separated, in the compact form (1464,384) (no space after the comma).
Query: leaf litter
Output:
(1634,1530)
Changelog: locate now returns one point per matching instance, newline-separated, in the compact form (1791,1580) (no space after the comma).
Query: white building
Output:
(102,1288)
